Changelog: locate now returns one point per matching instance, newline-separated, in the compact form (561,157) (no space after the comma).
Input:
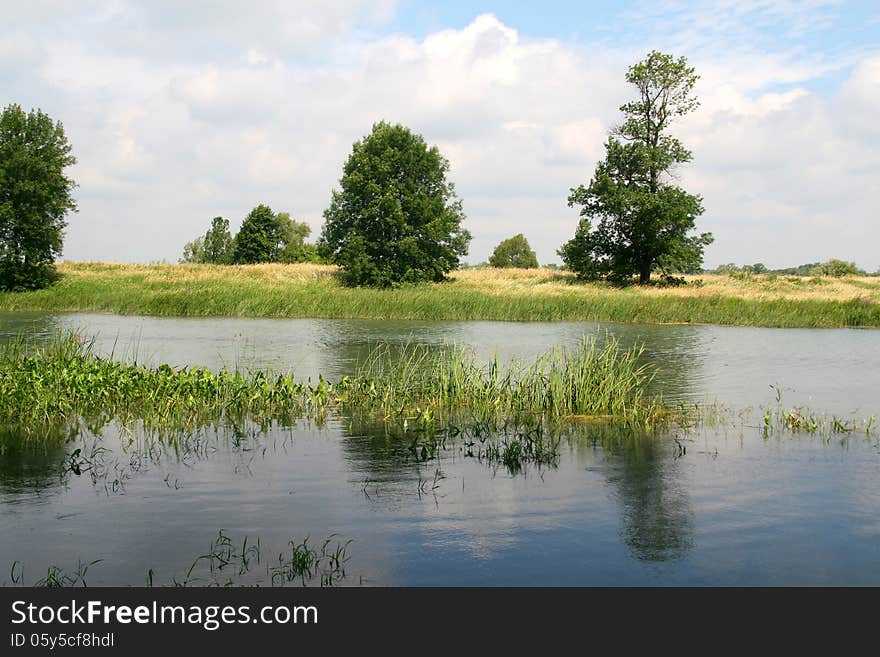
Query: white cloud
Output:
(165,142)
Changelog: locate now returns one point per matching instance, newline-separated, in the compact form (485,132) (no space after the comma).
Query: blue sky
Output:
(833,29)
(178,112)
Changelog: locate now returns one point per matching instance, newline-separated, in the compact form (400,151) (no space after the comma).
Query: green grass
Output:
(521,295)
(50,392)
(227,563)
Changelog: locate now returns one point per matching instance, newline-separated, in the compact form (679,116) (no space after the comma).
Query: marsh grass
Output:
(50,393)
(308,290)
(228,562)
(587,380)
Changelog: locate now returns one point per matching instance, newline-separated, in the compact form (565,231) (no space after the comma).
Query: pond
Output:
(721,506)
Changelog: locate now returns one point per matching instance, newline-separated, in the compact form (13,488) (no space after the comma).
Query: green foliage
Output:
(396,219)
(194,252)
(835,267)
(642,220)
(50,391)
(293,233)
(218,243)
(35,196)
(514,252)
(264,237)
(259,237)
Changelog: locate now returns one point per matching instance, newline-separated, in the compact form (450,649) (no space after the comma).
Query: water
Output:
(732,509)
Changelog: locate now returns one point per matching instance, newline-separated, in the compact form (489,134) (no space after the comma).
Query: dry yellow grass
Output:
(757,287)
(504,281)
(310,290)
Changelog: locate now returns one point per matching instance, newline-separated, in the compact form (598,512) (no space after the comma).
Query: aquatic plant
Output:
(588,380)
(50,392)
(227,564)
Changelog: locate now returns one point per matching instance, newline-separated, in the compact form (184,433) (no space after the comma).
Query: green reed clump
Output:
(588,380)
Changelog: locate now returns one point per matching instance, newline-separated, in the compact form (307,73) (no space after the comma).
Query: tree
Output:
(838,268)
(396,219)
(194,252)
(218,243)
(258,238)
(216,247)
(642,220)
(35,197)
(514,252)
(293,234)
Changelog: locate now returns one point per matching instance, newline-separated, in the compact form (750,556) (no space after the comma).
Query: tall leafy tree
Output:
(258,238)
(218,243)
(293,246)
(514,252)
(634,219)
(396,219)
(194,252)
(35,196)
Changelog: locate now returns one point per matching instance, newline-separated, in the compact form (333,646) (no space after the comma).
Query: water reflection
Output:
(30,475)
(614,511)
(655,508)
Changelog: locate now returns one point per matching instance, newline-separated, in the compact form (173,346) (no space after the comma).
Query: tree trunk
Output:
(645,274)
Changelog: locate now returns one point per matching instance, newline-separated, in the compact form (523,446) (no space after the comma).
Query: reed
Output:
(588,380)
(50,392)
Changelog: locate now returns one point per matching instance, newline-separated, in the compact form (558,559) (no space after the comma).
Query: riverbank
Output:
(307,290)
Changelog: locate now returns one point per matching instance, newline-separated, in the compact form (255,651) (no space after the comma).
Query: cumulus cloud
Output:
(242,109)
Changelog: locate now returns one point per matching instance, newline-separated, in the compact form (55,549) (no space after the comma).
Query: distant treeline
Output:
(833,267)
(264,236)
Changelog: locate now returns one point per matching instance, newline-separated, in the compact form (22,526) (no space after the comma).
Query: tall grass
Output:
(532,295)
(586,380)
(49,392)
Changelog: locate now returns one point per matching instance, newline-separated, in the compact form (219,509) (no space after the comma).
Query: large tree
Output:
(258,238)
(514,252)
(396,219)
(35,197)
(634,219)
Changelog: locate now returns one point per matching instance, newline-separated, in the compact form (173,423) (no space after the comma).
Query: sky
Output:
(179,112)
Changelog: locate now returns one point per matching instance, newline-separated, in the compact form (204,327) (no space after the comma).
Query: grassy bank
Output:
(487,294)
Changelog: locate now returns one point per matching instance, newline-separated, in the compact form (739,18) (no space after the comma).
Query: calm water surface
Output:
(731,509)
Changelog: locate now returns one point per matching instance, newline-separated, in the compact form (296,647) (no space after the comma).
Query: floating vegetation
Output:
(800,420)
(510,415)
(303,563)
(55,577)
(51,392)
(228,563)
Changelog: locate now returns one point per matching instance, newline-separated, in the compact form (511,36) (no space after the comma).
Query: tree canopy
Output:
(35,196)
(293,246)
(219,246)
(395,219)
(258,238)
(514,252)
(263,237)
(634,219)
